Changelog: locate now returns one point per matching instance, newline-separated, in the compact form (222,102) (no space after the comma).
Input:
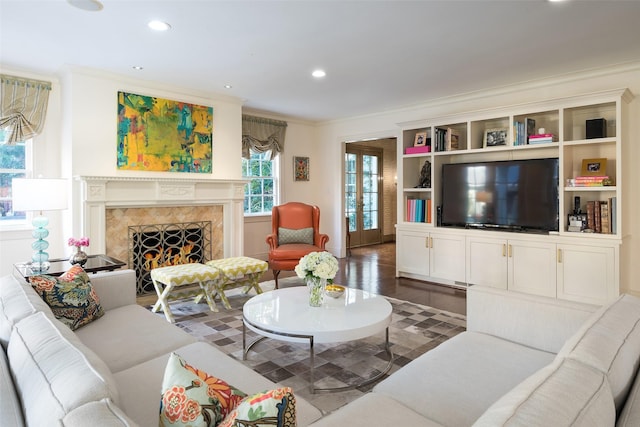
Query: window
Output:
(13,164)
(260,194)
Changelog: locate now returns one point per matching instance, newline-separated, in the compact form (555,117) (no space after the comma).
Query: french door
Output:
(363,167)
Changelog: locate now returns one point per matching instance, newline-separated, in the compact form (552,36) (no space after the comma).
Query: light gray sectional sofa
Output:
(107,373)
(523,361)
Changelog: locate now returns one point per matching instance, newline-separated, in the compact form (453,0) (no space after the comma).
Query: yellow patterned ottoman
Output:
(238,271)
(179,281)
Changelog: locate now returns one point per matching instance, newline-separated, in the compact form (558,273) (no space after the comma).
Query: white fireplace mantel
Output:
(101,193)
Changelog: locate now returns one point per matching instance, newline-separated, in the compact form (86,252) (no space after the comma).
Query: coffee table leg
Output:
(313,366)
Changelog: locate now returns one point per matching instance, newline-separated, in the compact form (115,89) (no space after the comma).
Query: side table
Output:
(94,264)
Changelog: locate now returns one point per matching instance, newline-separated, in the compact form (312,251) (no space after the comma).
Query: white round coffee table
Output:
(285,315)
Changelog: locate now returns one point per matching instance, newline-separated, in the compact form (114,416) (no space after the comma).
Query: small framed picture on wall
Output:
(300,168)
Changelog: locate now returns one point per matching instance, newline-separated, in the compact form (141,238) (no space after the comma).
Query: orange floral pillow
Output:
(191,397)
(275,407)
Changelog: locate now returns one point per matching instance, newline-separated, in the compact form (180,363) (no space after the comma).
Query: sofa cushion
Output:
(70,296)
(141,336)
(275,407)
(564,393)
(630,415)
(289,235)
(610,341)
(192,397)
(375,409)
(140,385)
(53,371)
(103,413)
(454,383)
(10,409)
(17,301)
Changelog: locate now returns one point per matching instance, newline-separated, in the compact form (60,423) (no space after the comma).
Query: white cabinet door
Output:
(412,249)
(586,273)
(532,267)
(487,262)
(447,256)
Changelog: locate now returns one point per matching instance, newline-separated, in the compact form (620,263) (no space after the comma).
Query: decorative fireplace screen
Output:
(161,245)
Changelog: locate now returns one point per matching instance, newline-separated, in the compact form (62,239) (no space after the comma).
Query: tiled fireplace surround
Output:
(111,204)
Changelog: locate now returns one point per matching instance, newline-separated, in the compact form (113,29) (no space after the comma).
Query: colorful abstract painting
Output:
(156,134)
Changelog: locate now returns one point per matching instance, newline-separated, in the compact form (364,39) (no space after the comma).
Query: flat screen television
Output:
(516,195)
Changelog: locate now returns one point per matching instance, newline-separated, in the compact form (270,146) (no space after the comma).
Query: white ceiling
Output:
(378,55)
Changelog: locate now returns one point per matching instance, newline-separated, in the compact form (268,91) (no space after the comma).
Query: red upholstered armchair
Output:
(294,234)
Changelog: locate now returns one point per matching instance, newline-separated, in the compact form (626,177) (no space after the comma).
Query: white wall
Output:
(331,135)
(80,139)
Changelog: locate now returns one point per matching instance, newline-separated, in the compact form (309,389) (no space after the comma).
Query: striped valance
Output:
(23,107)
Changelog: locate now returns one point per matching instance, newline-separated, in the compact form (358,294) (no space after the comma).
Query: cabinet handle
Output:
(426,242)
(431,242)
(504,249)
(510,251)
(559,256)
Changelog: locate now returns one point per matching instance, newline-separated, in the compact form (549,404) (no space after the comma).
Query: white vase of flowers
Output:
(317,269)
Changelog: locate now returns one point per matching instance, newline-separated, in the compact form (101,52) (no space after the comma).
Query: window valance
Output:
(23,107)
(261,135)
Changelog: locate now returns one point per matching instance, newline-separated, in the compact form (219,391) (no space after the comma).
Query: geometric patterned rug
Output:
(414,330)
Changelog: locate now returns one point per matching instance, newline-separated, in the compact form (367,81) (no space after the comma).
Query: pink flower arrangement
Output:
(83,241)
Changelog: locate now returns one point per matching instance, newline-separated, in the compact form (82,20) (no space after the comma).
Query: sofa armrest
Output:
(540,322)
(115,288)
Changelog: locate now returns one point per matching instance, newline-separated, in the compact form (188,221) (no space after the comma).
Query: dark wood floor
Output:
(373,268)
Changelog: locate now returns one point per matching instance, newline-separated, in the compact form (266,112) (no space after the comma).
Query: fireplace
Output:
(110,205)
(162,245)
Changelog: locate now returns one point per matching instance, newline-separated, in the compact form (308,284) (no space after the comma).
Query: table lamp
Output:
(39,194)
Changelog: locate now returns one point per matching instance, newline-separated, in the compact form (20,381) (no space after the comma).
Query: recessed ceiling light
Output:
(318,74)
(89,5)
(158,25)
(137,67)
(228,86)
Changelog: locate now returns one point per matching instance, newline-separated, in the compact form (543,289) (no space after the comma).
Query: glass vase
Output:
(78,257)
(316,290)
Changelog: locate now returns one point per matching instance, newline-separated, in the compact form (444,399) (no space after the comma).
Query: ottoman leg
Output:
(207,288)
(163,301)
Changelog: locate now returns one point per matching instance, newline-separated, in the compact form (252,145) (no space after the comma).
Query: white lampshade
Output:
(39,194)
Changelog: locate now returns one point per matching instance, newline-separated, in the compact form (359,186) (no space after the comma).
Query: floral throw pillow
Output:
(70,296)
(191,397)
(272,408)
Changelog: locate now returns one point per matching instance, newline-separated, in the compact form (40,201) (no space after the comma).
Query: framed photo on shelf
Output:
(300,168)
(495,137)
(420,140)
(594,167)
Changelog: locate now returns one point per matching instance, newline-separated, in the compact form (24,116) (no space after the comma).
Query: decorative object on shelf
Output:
(39,195)
(301,168)
(420,139)
(495,137)
(318,269)
(425,175)
(156,134)
(596,128)
(594,167)
(79,256)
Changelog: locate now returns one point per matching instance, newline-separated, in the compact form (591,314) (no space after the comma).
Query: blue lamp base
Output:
(40,258)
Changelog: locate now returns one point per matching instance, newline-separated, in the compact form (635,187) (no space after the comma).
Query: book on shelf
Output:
(597,217)
(530,128)
(604,217)
(418,210)
(420,149)
(541,138)
(591,221)
(590,181)
(452,138)
(613,222)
